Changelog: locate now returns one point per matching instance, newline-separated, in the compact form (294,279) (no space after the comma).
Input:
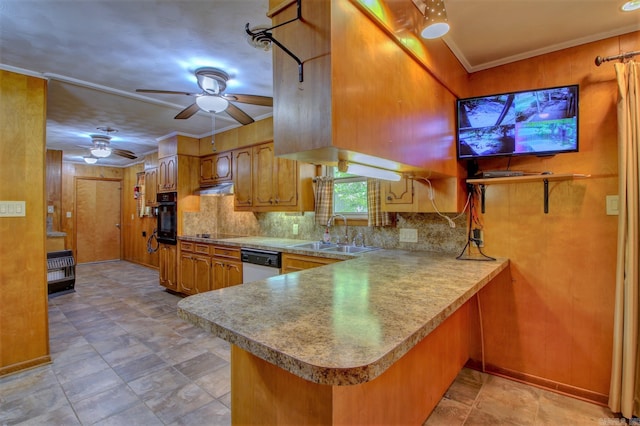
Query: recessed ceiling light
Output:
(631,5)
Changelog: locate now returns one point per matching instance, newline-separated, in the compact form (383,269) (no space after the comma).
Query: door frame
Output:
(75,210)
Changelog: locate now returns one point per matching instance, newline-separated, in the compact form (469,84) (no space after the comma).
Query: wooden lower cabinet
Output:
(227,267)
(205,267)
(298,262)
(168,261)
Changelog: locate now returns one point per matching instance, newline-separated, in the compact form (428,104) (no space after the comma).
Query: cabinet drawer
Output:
(226,252)
(186,246)
(296,262)
(202,248)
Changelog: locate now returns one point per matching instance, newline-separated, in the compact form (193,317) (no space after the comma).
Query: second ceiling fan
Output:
(213,82)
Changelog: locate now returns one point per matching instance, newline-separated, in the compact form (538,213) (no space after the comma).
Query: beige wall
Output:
(24,338)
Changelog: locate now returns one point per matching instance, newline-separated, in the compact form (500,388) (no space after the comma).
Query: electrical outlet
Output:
(49,209)
(478,237)
(295,229)
(408,235)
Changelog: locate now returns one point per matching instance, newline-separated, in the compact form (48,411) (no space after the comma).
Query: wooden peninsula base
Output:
(406,393)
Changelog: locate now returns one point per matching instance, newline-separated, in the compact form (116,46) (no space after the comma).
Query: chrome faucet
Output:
(346,229)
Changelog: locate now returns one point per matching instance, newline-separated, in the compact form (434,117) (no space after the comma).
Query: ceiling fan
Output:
(101,146)
(212,82)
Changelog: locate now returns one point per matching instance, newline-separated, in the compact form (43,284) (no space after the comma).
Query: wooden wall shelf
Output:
(483,182)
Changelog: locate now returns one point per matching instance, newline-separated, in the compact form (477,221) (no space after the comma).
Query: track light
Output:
(435,15)
(368,171)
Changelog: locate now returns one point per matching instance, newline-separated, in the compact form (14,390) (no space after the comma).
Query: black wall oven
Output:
(167,228)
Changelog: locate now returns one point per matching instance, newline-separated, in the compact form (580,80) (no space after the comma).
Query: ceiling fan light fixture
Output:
(435,15)
(212,103)
(90,159)
(100,151)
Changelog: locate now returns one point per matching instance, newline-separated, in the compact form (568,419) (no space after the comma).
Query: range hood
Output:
(224,188)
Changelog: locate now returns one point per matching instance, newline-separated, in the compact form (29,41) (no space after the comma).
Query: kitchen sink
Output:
(316,245)
(349,249)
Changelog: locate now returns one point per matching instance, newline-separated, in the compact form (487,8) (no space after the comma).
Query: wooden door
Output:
(219,274)
(242,177)
(98,218)
(286,185)
(202,272)
(263,175)
(186,284)
(234,273)
(168,254)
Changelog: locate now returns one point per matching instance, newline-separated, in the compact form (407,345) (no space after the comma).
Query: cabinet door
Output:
(263,175)
(207,174)
(172,174)
(187,280)
(167,261)
(286,182)
(234,273)
(167,174)
(400,192)
(242,177)
(202,273)
(222,167)
(151,186)
(219,272)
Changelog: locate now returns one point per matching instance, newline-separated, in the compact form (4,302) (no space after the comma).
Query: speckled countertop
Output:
(343,323)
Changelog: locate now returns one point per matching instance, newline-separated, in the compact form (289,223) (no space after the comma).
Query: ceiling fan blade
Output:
(238,114)
(124,153)
(187,112)
(166,92)
(249,99)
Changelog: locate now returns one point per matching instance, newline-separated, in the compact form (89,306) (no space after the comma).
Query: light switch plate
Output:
(408,235)
(612,205)
(13,209)
(295,229)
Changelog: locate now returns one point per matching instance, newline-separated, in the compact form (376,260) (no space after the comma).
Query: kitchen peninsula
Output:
(374,339)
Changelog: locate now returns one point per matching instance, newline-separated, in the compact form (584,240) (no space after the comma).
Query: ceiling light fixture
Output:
(100,146)
(368,171)
(631,5)
(435,15)
(212,103)
(90,160)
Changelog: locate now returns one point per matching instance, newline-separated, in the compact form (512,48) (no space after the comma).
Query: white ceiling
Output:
(96,53)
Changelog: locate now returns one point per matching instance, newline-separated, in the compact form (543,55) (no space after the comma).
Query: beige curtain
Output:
(376,216)
(624,394)
(323,192)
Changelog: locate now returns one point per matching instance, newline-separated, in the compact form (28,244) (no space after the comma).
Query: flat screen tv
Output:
(532,122)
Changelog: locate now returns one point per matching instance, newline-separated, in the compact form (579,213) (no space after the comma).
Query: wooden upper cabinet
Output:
(264,182)
(151,186)
(274,179)
(409,195)
(216,168)
(242,177)
(168,174)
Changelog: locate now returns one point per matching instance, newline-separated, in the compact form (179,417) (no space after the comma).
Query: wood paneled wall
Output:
(54,187)
(136,230)
(24,338)
(552,324)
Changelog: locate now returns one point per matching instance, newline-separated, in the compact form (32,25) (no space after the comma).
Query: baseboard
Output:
(550,385)
(26,365)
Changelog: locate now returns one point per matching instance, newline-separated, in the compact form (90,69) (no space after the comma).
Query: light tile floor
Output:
(121,356)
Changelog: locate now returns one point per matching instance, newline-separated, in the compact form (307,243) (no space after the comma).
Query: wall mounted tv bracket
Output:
(266,33)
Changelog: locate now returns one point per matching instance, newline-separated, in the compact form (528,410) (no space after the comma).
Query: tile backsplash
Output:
(216,215)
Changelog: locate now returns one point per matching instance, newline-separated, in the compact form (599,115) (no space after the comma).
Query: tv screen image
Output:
(532,122)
